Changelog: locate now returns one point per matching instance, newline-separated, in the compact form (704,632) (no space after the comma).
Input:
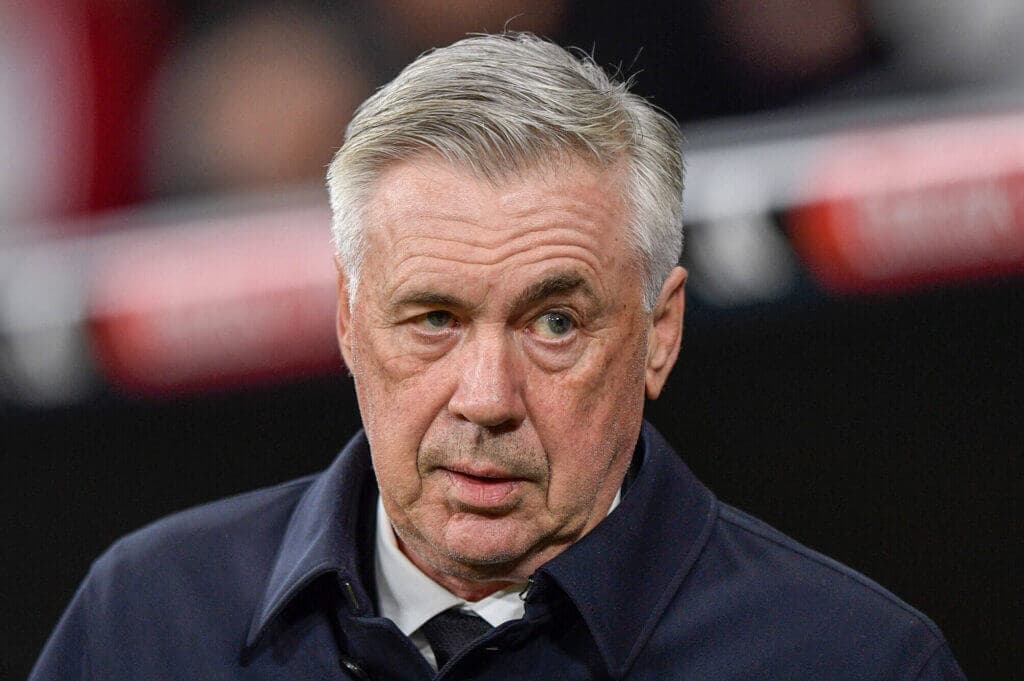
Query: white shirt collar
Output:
(409,598)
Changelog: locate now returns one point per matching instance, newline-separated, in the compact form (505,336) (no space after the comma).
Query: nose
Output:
(489,389)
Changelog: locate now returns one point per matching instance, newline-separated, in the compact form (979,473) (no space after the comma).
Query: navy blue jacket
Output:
(277,584)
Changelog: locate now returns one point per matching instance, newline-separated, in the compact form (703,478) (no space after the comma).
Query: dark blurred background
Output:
(852,370)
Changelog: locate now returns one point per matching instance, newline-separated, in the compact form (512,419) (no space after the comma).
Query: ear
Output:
(666,332)
(344,318)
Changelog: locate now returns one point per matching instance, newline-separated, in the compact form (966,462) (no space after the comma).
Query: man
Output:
(507,227)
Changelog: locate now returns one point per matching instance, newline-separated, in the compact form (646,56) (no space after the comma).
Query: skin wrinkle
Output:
(532,256)
(559,415)
(497,251)
(541,216)
(558,284)
(405,271)
(596,333)
(535,235)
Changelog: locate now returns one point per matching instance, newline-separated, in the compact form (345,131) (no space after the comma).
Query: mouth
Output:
(481,488)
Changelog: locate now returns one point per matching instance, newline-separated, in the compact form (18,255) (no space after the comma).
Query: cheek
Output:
(585,417)
(607,378)
(399,399)
(395,377)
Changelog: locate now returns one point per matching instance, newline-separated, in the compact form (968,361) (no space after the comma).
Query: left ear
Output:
(666,332)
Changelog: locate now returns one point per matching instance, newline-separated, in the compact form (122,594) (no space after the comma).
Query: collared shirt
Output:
(278,585)
(409,598)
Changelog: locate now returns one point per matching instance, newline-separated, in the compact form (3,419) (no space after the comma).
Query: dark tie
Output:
(450,631)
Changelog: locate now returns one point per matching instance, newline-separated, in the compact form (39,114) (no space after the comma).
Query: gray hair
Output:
(501,105)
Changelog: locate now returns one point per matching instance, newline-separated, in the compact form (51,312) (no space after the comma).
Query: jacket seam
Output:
(677,579)
(929,657)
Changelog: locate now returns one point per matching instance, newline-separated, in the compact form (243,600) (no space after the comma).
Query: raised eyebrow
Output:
(557,284)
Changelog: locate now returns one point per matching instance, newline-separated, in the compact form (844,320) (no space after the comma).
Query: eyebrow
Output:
(429,299)
(556,284)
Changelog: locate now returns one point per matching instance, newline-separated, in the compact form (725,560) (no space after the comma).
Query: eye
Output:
(437,320)
(553,325)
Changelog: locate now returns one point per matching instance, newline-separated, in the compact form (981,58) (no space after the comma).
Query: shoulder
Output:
(218,552)
(213,530)
(786,560)
(747,601)
(767,605)
(173,594)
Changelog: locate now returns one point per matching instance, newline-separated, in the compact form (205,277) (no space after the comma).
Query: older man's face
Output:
(500,353)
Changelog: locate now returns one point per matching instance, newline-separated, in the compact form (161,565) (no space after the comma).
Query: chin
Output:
(486,545)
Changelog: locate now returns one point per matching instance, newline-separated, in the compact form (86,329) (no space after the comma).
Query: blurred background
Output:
(852,370)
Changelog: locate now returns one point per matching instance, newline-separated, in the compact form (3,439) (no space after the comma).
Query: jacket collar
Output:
(622,575)
(323,537)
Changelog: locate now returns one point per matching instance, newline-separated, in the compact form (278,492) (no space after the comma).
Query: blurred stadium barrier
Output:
(245,293)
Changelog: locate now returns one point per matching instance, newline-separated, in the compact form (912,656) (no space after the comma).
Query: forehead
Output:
(410,189)
(428,218)
(429,221)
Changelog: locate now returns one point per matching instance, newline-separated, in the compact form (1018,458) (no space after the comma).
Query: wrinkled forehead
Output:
(428,214)
(411,185)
